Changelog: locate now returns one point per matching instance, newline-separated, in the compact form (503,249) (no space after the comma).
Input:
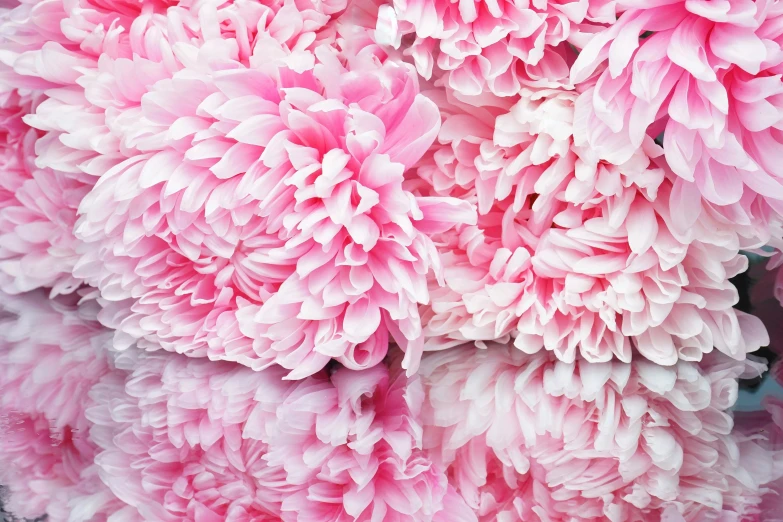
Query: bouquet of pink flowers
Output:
(389,260)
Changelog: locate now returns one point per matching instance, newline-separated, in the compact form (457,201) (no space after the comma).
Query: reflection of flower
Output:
(172,445)
(190,439)
(355,439)
(51,353)
(529,437)
(764,432)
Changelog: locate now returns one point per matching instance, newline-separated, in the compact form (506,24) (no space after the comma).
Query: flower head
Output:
(495,47)
(707,75)
(262,218)
(573,253)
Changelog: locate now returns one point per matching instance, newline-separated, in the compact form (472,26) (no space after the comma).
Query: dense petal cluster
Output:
(259,205)
(361,242)
(706,75)
(534,438)
(37,208)
(573,253)
(231,229)
(494,46)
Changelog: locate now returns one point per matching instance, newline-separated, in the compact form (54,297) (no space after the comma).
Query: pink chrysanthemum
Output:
(493,46)
(190,439)
(212,205)
(49,48)
(572,253)
(37,209)
(361,239)
(707,75)
(54,141)
(171,235)
(51,353)
(533,438)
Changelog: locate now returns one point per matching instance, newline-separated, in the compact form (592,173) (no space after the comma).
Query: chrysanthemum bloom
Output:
(574,254)
(38,201)
(529,437)
(191,439)
(95,62)
(493,46)
(51,354)
(37,209)
(261,218)
(49,47)
(707,75)
(55,141)
(364,239)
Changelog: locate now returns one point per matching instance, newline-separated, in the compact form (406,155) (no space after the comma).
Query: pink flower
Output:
(49,48)
(54,141)
(493,46)
(572,253)
(533,438)
(708,77)
(362,238)
(37,209)
(184,266)
(262,219)
(51,353)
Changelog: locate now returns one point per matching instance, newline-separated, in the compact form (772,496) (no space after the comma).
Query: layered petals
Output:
(262,219)
(573,253)
(708,78)
(491,46)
